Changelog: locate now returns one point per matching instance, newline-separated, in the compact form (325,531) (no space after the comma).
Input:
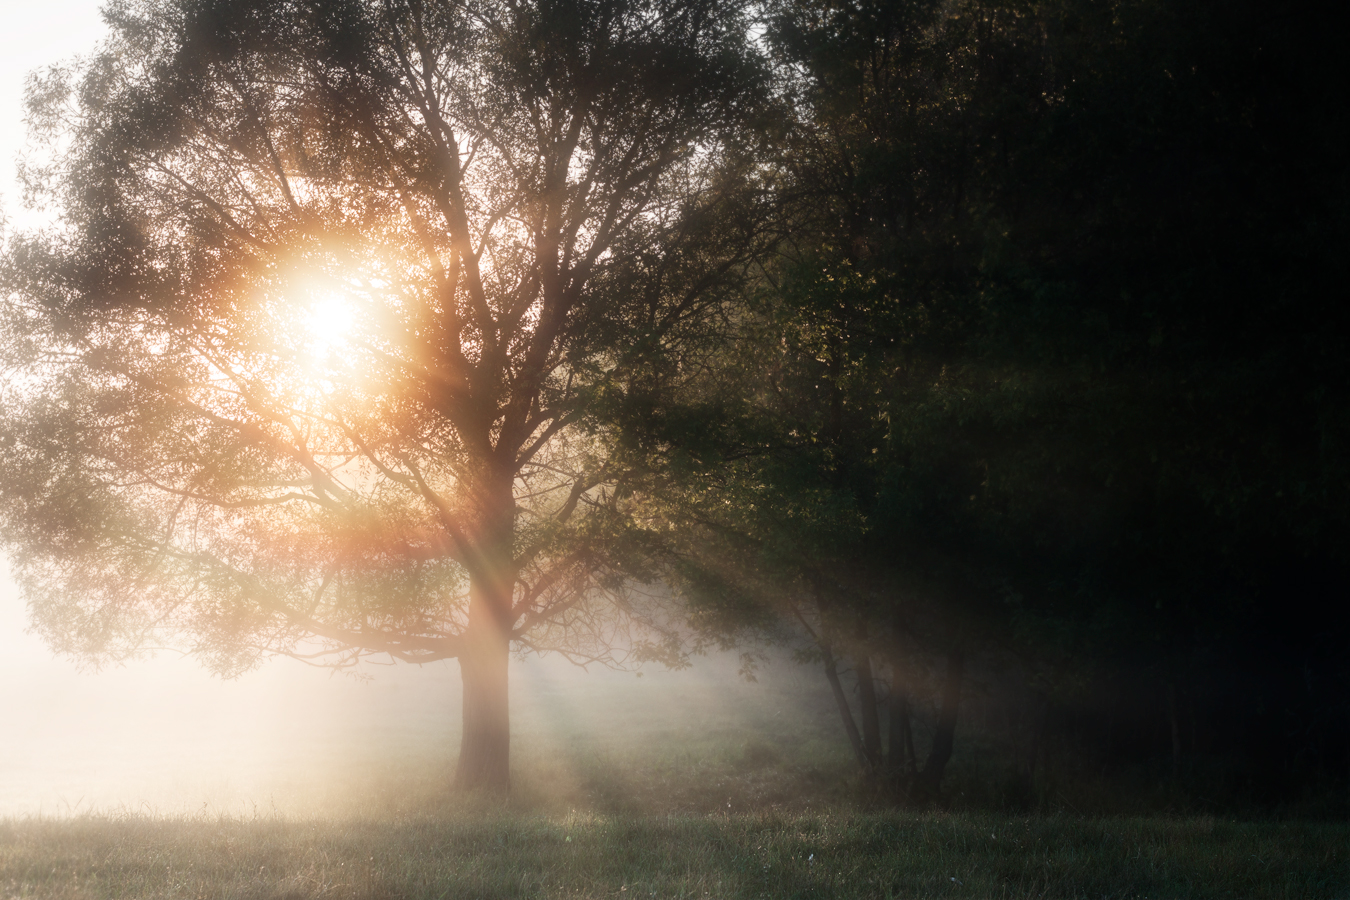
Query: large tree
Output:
(312,363)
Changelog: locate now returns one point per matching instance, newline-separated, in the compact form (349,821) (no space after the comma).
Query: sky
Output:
(34,35)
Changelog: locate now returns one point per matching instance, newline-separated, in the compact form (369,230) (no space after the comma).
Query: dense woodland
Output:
(987,355)
(1052,365)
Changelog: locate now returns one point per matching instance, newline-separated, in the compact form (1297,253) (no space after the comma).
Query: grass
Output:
(487,853)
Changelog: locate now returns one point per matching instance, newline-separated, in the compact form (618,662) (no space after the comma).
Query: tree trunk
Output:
(901,759)
(845,713)
(871,721)
(930,780)
(836,688)
(485,746)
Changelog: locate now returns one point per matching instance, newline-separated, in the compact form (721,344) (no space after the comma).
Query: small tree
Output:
(312,367)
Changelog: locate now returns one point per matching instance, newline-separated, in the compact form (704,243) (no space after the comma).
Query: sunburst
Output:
(329,324)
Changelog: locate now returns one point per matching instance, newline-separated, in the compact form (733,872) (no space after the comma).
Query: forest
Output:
(982,355)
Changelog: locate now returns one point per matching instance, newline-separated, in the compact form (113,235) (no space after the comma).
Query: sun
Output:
(326,326)
(330,321)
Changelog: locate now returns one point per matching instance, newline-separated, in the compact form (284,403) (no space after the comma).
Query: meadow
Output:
(486,853)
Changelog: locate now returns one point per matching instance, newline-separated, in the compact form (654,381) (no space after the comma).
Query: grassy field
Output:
(499,854)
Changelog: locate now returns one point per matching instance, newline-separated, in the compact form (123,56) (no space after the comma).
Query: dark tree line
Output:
(1049,381)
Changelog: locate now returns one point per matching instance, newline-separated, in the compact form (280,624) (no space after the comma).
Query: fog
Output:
(163,736)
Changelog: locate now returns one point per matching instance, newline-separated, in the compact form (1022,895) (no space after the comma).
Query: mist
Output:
(163,736)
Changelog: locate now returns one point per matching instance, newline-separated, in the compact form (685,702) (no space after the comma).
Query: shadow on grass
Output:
(493,853)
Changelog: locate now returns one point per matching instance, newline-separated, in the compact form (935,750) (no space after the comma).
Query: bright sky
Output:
(33,35)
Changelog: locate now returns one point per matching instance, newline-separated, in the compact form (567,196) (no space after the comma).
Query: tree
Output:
(313,366)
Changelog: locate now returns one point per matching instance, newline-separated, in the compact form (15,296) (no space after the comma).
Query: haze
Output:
(162,736)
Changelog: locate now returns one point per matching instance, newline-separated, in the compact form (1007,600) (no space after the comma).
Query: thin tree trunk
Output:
(930,780)
(832,676)
(871,720)
(841,700)
(901,759)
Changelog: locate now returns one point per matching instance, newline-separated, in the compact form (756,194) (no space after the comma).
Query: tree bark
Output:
(930,780)
(485,745)
(832,676)
(901,761)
